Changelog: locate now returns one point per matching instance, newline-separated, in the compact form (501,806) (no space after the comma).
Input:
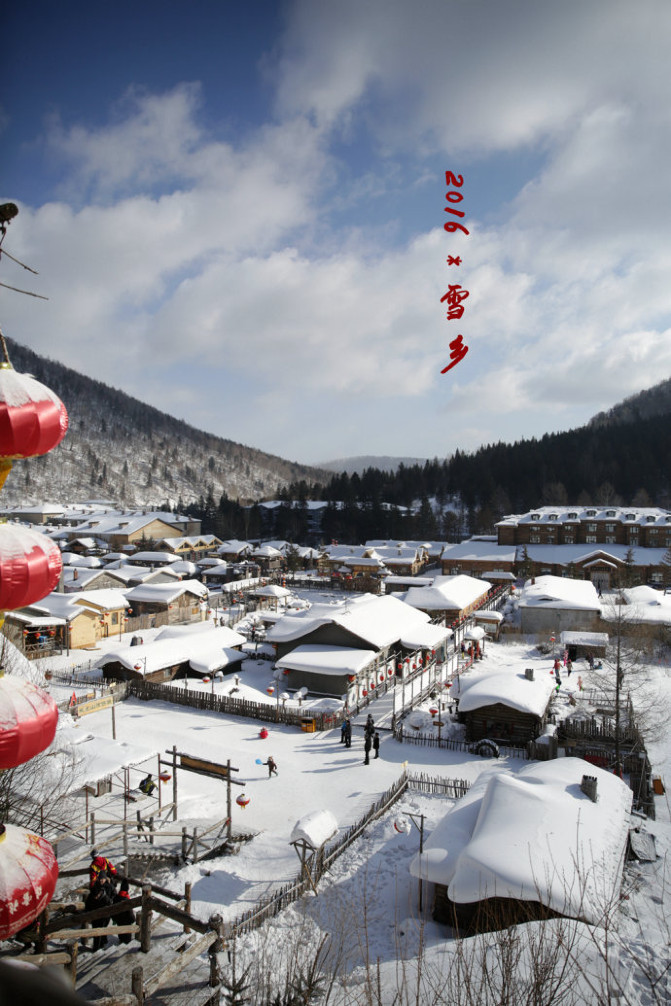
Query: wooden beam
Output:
(178,915)
(180,962)
(84,934)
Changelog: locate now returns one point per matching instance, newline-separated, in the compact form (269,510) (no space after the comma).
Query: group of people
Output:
(103,877)
(371,738)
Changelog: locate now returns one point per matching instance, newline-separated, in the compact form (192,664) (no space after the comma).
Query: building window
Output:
(569,539)
(590,513)
(610,527)
(633,538)
(650,519)
(115,618)
(534,539)
(610,538)
(591,527)
(552,516)
(590,537)
(656,577)
(630,516)
(535,516)
(610,513)
(572,515)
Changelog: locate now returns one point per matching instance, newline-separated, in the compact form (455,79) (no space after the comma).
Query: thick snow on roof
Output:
(380,621)
(315,828)
(425,635)
(477,548)
(166,592)
(566,554)
(271,590)
(97,757)
(577,638)
(553,515)
(509,688)
(70,605)
(217,660)
(326,659)
(642,604)
(448,592)
(173,648)
(154,557)
(533,836)
(559,592)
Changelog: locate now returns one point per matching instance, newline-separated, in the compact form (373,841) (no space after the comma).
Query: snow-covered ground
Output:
(368,903)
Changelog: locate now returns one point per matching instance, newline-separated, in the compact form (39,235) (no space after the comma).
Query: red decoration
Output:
(263,733)
(434,712)
(364,692)
(33,420)
(270,689)
(165,777)
(28,875)
(351,678)
(389,672)
(382,677)
(30,566)
(242,800)
(28,718)
(206,680)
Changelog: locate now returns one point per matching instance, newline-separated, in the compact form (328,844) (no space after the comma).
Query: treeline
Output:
(624,463)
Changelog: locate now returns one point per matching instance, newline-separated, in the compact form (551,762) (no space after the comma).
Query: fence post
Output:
(195,845)
(73,947)
(151,830)
(125,839)
(216,923)
(187,901)
(93,827)
(145,920)
(137,985)
(185,845)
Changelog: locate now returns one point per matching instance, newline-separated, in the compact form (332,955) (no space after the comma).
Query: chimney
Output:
(75,574)
(529,673)
(588,787)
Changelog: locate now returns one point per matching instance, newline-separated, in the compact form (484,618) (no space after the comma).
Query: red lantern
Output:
(28,717)
(364,692)
(389,672)
(242,800)
(270,689)
(263,733)
(351,678)
(33,420)
(433,653)
(30,566)
(28,875)
(206,680)
(434,712)
(382,677)
(414,667)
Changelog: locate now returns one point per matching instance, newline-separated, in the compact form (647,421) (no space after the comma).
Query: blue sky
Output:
(237,211)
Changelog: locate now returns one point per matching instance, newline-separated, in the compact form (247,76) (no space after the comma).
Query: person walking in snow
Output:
(376,744)
(343,731)
(101,895)
(348,733)
(367,744)
(101,864)
(557,665)
(126,918)
(272,767)
(569,667)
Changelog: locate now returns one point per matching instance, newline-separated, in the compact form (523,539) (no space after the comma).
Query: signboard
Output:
(82,708)
(199,765)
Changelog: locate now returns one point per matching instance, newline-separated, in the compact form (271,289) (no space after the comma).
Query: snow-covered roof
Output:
(559,592)
(425,636)
(642,604)
(154,557)
(271,590)
(97,757)
(68,606)
(379,621)
(315,829)
(575,638)
(446,592)
(476,548)
(507,688)
(566,554)
(533,836)
(216,660)
(158,593)
(334,660)
(171,648)
(554,515)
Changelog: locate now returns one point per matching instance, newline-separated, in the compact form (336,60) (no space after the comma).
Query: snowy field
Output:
(368,905)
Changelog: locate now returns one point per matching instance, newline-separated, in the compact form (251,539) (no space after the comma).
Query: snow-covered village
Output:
(335,505)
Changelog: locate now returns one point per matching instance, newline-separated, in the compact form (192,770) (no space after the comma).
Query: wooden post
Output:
(93,827)
(125,839)
(185,843)
(174,782)
(86,793)
(113,719)
(145,920)
(137,985)
(216,922)
(73,948)
(195,845)
(151,830)
(229,801)
(187,901)
(158,776)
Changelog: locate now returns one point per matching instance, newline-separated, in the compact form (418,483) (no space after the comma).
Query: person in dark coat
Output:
(101,895)
(367,744)
(147,785)
(348,734)
(272,767)
(101,864)
(126,918)
(376,744)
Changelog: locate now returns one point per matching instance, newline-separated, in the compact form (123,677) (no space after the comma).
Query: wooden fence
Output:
(292,891)
(405,736)
(266,711)
(423,783)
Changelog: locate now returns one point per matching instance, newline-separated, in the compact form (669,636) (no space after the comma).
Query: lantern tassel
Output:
(5,469)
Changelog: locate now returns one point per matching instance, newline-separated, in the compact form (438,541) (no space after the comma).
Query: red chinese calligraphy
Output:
(452,260)
(455,294)
(457,352)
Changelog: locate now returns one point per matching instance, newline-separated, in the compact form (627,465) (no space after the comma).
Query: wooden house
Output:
(509,707)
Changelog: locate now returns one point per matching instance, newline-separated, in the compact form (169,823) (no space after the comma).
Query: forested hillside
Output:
(119,448)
